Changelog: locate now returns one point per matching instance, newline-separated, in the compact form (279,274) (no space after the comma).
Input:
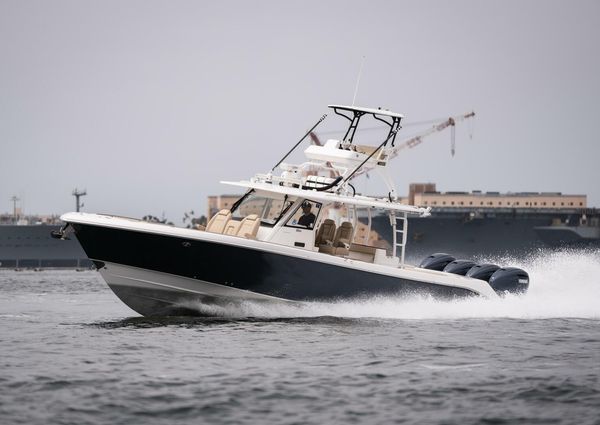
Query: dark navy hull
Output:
(224,268)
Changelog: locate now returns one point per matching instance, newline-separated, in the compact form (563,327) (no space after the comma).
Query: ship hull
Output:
(32,246)
(166,274)
(569,236)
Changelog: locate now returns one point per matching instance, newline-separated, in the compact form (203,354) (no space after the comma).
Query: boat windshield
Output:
(269,210)
(306,215)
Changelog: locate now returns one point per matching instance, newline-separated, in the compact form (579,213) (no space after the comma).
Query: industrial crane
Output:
(416,140)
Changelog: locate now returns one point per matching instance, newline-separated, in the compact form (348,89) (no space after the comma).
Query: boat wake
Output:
(563,284)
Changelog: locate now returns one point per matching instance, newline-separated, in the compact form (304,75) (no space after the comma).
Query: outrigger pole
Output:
(300,141)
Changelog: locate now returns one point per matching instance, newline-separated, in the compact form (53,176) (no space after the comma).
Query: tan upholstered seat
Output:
(232,227)
(343,235)
(249,227)
(341,240)
(218,222)
(326,233)
(362,252)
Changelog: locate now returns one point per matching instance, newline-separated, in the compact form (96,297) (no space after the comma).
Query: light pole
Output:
(77,194)
(14,200)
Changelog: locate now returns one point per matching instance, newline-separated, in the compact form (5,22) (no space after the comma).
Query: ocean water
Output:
(72,353)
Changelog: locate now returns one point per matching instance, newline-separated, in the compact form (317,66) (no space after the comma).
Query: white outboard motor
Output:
(509,279)
(437,261)
(482,271)
(460,267)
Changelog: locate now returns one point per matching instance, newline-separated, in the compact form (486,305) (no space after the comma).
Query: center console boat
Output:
(292,237)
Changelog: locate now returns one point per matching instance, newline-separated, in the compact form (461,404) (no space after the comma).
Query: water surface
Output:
(71,352)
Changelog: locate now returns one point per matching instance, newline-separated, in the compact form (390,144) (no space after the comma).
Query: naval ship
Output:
(481,224)
(28,245)
(26,242)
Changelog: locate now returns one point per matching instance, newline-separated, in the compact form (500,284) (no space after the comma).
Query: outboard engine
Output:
(482,271)
(509,279)
(437,261)
(460,267)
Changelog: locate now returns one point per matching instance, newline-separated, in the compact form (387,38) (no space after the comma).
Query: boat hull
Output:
(152,293)
(162,274)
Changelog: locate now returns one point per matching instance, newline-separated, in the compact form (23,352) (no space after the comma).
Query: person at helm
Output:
(308,218)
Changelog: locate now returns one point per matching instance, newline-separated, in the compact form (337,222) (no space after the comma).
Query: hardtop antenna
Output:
(362,63)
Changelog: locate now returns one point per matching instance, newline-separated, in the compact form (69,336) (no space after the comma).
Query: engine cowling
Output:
(509,279)
(482,271)
(460,267)
(502,280)
(436,261)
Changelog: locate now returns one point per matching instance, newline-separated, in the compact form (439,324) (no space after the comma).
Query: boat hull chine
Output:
(152,293)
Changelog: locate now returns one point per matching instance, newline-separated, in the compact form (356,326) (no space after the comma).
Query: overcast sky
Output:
(149,104)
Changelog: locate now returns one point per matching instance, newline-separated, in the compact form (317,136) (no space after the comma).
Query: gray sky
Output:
(148,104)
